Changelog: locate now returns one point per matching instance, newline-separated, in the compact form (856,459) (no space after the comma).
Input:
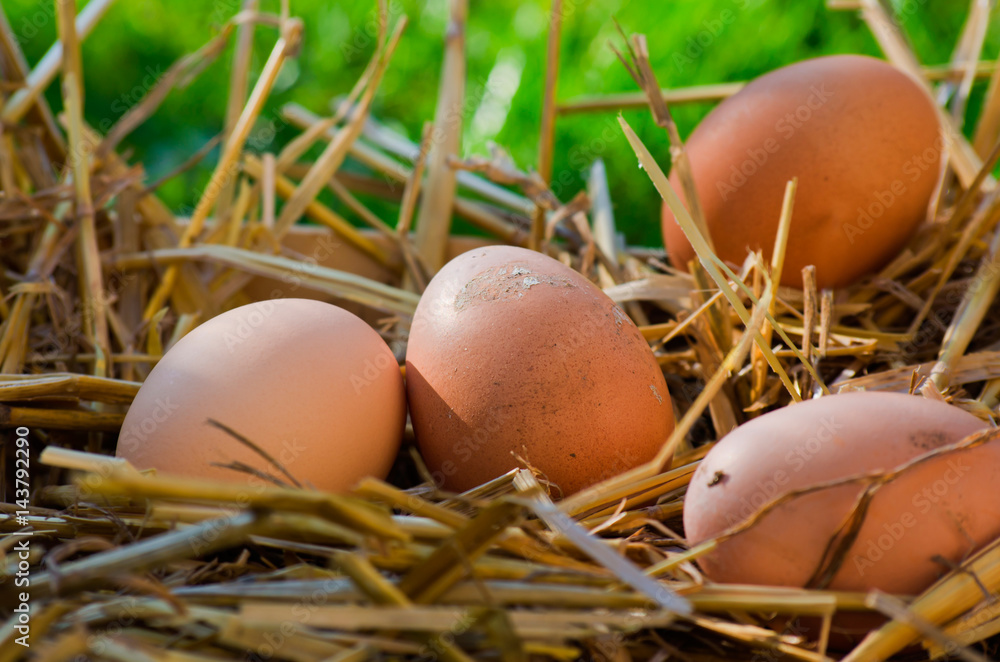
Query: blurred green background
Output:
(691,42)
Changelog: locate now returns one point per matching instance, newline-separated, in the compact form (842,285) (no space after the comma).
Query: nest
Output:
(101,278)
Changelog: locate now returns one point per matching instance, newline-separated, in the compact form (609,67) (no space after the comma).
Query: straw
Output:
(91,283)
(129,565)
(285,45)
(434,213)
(546,139)
(45,71)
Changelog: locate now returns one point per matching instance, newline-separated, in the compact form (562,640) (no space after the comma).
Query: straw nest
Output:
(100,278)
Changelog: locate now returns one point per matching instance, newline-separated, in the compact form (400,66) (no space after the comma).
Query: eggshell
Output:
(513,352)
(863,139)
(946,505)
(308,382)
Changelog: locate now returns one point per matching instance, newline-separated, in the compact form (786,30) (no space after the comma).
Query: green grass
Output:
(691,42)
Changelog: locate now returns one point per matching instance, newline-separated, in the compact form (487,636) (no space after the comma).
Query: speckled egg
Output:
(514,355)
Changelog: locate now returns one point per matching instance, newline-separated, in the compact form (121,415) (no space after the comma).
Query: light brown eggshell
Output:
(310,383)
(863,139)
(831,438)
(511,351)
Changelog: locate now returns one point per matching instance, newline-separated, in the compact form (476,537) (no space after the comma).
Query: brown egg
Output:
(513,352)
(863,139)
(308,382)
(945,506)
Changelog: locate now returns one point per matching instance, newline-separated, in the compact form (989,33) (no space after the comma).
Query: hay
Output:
(102,279)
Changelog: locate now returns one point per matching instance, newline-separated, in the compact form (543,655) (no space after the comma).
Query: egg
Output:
(514,355)
(864,141)
(308,382)
(943,507)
